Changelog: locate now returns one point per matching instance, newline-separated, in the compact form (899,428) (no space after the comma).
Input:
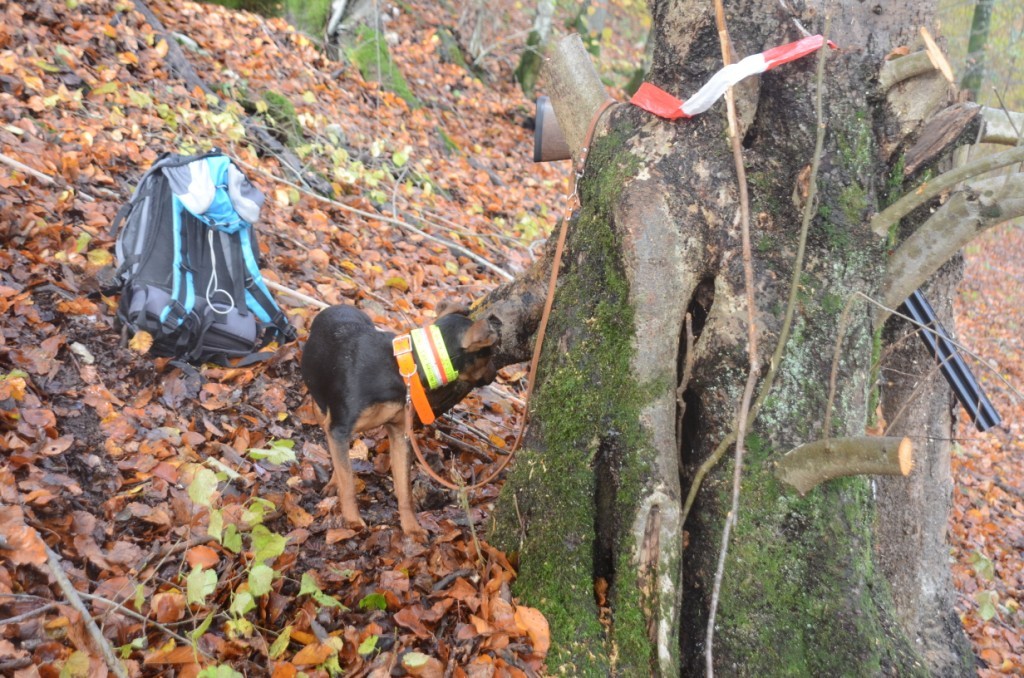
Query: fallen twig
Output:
(21,167)
(28,615)
(142,618)
(309,301)
(376,216)
(44,178)
(74,598)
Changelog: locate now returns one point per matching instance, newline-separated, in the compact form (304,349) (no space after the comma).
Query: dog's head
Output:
(469,343)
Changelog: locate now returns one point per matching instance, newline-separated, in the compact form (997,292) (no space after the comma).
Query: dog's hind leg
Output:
(400,471)
(343,479)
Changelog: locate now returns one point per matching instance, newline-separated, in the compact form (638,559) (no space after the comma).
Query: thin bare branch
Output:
(752,353)
(22,167)
(44,178)
(75,600)
(685,380)
(376,216)
(31,614)
(121,609)
(787,321)
(884,220)
(977,208)
(844,321)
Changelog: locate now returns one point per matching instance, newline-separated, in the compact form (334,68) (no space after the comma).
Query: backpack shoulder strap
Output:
(258,297)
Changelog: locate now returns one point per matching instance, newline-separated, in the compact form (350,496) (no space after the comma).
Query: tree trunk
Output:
(976,45)
(531,61)
(913,553)
(593,507)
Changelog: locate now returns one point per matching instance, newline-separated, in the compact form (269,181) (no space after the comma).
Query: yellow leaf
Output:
(106,88)
(77,665)
(141,342)
(100,257)
(161,48)
(397,282)
(48,67)
(33,82)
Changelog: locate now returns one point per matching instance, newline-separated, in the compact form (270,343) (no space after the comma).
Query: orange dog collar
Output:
(402,348)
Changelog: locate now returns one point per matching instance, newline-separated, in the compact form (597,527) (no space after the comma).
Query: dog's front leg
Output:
(400,471)
(338,439)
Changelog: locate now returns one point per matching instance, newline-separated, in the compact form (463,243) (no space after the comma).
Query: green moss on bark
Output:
(800,596)
(586,408)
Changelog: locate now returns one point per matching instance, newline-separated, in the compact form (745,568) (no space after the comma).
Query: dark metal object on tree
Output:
(548,140)
(957,373)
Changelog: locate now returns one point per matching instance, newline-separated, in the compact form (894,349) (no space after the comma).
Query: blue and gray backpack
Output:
(188,262)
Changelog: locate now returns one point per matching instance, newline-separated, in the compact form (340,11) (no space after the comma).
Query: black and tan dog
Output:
(357,376)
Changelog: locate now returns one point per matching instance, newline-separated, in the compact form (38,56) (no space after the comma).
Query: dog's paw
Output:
(354,522)
(412,529)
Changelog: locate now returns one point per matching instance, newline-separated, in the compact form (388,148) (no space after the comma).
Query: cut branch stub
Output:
(575,89)
(807,466)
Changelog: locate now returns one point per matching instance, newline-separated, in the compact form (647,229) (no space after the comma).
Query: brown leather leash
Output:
(573,201)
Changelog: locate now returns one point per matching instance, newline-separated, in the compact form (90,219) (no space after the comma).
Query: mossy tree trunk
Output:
(531,60)
(595,499)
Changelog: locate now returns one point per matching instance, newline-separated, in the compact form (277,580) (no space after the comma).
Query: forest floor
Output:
(107,454)
(987,522)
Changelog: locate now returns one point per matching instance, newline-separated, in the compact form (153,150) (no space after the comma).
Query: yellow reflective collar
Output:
(433,355)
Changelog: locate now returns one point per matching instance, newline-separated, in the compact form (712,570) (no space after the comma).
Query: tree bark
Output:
(976,45)
(594,502)
(531,61)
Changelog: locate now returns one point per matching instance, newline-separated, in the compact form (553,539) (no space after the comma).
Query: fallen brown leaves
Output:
(108,453)
(987,523)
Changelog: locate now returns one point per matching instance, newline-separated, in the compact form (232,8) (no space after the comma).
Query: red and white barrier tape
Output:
(656,100)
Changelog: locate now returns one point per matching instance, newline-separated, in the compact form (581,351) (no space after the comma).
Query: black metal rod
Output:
(957,373)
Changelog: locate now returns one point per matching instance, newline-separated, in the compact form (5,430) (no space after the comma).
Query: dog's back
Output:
(348,365)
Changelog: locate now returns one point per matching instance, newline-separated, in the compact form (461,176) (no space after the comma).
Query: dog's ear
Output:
(448,307)
(479,336)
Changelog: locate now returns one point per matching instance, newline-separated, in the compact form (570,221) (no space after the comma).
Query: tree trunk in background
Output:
(532,60)
(980,25)
(851,579)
